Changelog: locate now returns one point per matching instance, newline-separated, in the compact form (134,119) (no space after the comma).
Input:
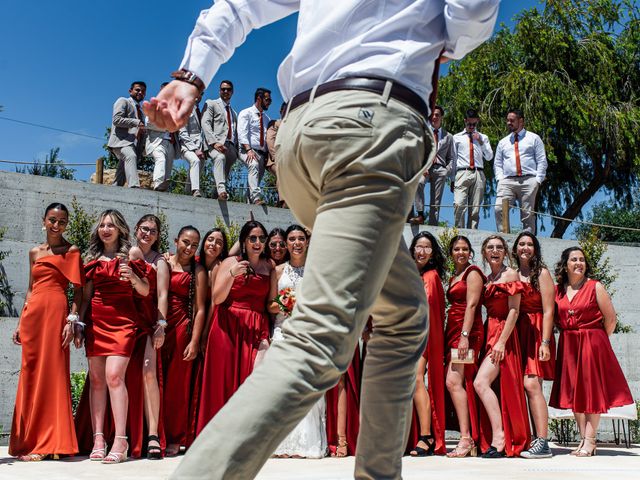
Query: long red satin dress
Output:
(588,376)
(513,406)
(434,354)
(530,334)
(238,327)
(112,329)
(457,296)
(177,383)
(42,418)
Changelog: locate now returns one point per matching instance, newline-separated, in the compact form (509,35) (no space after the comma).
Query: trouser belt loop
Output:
(386,93)
(312,95)
(286,113)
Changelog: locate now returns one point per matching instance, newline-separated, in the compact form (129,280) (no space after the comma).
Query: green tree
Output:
(573,67)
(620,216)
(53,167)
(81,224)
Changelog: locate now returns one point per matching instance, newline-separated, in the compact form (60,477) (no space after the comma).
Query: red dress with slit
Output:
(457,296)
(588,376)
(434,354)
(530,334)
(42,418)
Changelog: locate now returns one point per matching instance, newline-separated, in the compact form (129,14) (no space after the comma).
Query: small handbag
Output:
(470,358)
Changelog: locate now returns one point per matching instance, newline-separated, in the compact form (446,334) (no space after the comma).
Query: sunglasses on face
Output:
(148,231)
(424,249)
(256,238)
(226,89)
(277,244)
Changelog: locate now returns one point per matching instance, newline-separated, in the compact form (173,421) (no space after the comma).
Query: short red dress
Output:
(530,334)
(588,376)
(513,406)
(457,296)
(238,327)
(434,354)
(42,418)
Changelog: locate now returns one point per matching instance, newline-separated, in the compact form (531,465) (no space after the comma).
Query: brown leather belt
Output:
(373,85)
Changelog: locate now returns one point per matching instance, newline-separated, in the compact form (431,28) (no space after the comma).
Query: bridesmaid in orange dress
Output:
(109,310)
(187,294)
(504,429)
(535,331)
(589,380)
(240,327)
(465,332)
(42,419)
(427,433)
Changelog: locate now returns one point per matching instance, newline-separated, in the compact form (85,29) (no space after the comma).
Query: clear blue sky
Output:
(63,65)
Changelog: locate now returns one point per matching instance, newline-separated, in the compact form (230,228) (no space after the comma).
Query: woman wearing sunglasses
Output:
(277,246)
(240,327)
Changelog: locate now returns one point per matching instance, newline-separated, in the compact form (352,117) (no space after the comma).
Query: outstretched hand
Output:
(171,109)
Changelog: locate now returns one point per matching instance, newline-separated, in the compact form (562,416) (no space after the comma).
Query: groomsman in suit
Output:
(192,149)
(161,145)
(127,133)
(438,173)
(219,126)
(252,128)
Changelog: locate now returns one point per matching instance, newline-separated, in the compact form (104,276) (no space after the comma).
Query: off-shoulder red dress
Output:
(530,334)
(457,296)
(434,354)
(42,418)
(588,376)
(515,416)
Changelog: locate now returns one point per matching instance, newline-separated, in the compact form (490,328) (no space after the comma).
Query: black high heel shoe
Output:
(493,452)
(424,452)
(154,452)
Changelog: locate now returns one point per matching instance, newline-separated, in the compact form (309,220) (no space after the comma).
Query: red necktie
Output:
(515,145)
(435,136)
(261,130)
(229,133)
(472,164)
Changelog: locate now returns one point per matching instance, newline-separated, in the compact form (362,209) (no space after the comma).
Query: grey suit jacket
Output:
(214,123)
(444,153)
(190,136)
(124,123)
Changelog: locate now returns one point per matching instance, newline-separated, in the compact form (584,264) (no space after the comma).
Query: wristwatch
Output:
(189,77)
(464,333)
(162,323)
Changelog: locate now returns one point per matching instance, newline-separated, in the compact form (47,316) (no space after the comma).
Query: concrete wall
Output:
(24,197)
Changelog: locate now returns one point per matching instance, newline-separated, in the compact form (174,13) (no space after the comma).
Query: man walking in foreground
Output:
(351,149)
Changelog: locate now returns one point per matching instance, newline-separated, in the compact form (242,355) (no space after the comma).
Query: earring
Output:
(44,228)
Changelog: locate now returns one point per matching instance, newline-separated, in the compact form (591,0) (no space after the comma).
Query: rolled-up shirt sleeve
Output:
(541,160)
(468,24)
(224,27)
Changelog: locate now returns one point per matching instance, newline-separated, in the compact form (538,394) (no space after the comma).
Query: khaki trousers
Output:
(127,169)
(222,164)
(348,165)
(437,180)
(522,190)
(468,191)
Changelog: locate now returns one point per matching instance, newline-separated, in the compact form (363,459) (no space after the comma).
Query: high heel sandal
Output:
(98,454)
(116,457)
(583,452)
(154,452)
(341,450)
(578,448)
(424,452)
(461,452)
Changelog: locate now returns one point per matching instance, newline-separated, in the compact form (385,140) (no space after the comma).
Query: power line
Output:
(46,127)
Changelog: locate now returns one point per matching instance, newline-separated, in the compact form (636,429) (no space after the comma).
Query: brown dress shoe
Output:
(417,220)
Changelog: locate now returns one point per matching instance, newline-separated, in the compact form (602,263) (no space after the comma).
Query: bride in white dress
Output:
(309,438)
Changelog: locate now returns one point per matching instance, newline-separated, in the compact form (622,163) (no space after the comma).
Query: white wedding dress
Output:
(309,438)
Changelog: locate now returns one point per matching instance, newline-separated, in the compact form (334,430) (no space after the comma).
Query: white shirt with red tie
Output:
(533,158)
(249,128)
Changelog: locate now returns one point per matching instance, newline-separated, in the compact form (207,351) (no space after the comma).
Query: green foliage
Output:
(164,232)
(179,178)
(573,68)
(232,231)
(77,384)
(571,429)
(6,292)
(52,167)
(81,223)
(620,216)
(444,238)
(634,426)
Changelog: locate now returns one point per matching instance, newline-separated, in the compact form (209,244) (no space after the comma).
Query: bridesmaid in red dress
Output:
(589,380)
(504,429)
(427,430)
(42,419)
(535,331)
(142,374)
(465,332)
(109,310)
(240,328)
(187,294)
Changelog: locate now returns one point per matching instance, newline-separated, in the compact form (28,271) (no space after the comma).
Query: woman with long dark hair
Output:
(187,296)
(42,419)
(426,436)
(276,248)
(589,380)
(535,332)
(240,328)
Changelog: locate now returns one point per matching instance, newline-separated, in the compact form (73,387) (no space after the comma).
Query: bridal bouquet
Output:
(286,299)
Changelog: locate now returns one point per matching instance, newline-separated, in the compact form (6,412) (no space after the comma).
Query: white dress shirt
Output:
(461,149)
(533,159)
(395,39)
(249,128)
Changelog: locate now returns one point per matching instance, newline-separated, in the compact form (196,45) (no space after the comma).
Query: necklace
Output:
(493,277)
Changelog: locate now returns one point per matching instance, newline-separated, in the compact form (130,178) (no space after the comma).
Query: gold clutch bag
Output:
(470,358)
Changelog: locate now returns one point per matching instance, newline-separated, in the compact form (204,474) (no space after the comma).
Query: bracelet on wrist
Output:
(546,342)
(74,319)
